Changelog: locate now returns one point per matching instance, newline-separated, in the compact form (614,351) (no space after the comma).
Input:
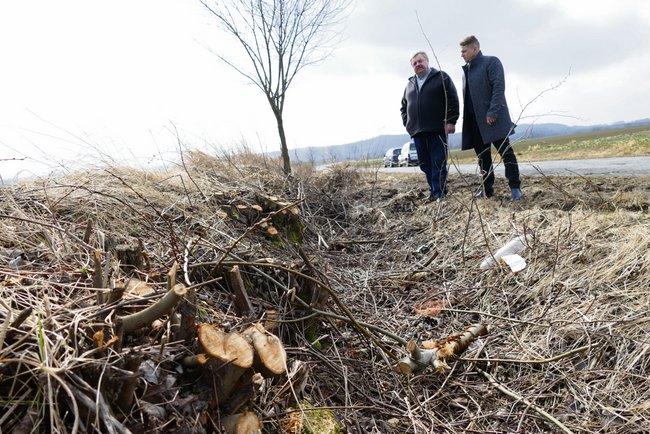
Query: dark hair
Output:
(469,40)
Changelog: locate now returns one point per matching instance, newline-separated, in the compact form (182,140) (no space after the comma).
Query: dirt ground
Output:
(368,267)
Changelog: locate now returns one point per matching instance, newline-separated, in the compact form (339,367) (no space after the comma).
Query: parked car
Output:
(408,155)
(390,158)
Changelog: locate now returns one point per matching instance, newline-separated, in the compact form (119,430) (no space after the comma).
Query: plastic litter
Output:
(515,262)
(512,247)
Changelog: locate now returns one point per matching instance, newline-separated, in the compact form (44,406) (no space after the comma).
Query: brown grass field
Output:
(359,269)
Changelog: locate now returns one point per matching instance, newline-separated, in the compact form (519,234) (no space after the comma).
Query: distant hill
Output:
(377,146)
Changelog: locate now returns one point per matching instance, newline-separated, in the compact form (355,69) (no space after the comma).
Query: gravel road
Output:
(615,166)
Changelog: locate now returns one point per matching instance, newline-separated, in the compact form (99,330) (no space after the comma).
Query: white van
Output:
(408,156)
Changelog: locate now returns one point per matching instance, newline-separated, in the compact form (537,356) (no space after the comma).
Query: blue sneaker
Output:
(516,193)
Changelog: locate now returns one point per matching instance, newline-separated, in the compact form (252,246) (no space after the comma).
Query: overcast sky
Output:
(83,81)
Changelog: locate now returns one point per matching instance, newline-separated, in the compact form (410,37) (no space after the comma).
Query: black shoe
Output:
(482,195)
(516,193)
(434,198)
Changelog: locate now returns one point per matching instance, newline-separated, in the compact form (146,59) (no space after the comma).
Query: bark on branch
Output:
(165,305)
(437,353)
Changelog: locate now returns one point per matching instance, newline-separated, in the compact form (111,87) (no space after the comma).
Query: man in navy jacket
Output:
(430,110)
(486,120)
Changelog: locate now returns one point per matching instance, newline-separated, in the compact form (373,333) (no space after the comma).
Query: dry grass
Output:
(567,346)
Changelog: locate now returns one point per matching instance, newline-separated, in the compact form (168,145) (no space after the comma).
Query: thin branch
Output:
(520,398)
(537,361)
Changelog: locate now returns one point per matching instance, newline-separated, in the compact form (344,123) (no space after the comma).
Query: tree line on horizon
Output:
(377,146)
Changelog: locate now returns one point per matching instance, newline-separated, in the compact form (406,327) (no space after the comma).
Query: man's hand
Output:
(491,120)
(451,128)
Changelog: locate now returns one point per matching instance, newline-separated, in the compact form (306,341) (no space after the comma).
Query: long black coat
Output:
(487,86)
(429,109)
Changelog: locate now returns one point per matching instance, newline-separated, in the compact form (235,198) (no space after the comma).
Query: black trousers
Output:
(484,154)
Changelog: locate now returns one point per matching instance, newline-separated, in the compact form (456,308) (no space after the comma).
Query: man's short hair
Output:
(419,53)
(470,40)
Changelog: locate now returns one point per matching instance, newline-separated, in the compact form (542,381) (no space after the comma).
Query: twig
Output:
(350,317)
(478,312)
(47,225)
(251,229)
(332,315)
(503,389)
(538,361)
(172,236)
(136,320)
(5,324)
(187,172)
(100,408)
(51,372)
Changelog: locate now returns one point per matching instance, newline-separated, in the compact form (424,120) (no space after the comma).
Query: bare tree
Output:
(280,38)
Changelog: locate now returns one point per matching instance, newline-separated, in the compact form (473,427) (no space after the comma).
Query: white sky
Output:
(83,81)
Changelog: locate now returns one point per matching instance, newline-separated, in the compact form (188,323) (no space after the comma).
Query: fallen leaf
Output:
(430,308)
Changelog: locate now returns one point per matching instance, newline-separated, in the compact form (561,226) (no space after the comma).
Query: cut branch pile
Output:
(220,299)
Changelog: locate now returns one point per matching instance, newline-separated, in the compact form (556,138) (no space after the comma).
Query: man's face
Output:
(468,52)
(420,64)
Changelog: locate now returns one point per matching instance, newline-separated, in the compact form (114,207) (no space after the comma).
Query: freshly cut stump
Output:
(231,348)
(245,423)
(236,354)
(270,355)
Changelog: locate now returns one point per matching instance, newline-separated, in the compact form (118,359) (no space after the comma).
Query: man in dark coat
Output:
(430,110)
(486,120)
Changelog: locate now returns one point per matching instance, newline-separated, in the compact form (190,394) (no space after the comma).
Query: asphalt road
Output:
(615,166)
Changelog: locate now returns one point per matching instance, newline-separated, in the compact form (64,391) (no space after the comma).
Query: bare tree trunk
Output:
(284,150)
